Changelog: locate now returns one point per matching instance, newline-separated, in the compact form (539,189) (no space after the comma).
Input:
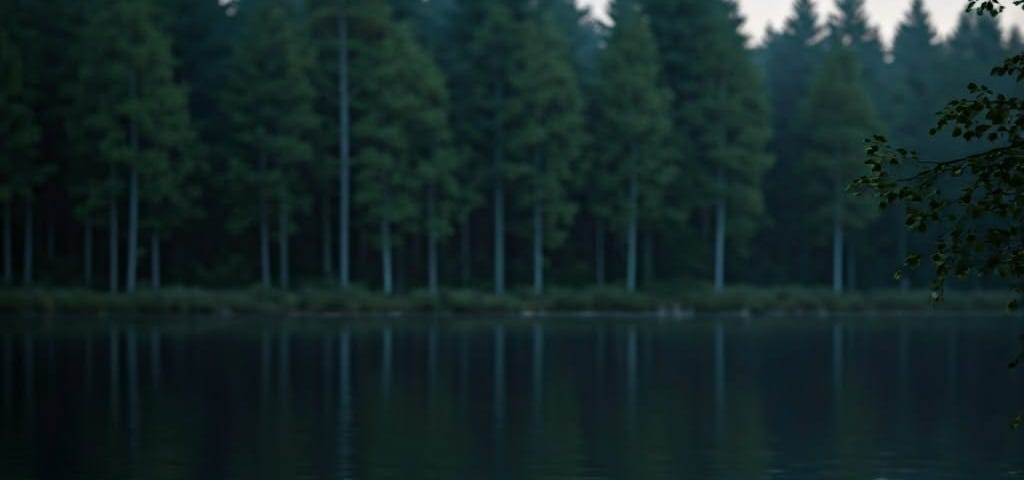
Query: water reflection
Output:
(538,367)
(264,367)
(284,368)
(837,360)
(344,407)
(719,399)
(8,378)
(386,356)
(154,359)
(29,362)
(631,380)
(133,389)
(114,356)
(498,377)
(719,368)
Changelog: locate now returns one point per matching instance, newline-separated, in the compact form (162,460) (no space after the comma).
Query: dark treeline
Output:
(405,144)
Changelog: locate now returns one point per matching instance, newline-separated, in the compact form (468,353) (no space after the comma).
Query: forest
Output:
(500,145)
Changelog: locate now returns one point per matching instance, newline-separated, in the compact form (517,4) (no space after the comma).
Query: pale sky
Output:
(885,14)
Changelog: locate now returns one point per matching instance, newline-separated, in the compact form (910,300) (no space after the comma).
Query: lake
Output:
(477,398)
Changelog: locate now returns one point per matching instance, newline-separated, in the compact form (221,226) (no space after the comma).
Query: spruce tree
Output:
(403,156)
(134,119)
(791,60)
(486,40)
(837,117)
(915,96)
(544,133)
(630,131)
(20,170)
(720,110)
(269,97)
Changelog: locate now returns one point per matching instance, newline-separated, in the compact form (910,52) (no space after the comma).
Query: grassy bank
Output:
(739,299)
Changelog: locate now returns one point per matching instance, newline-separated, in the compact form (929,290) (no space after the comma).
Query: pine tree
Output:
(838,117)
(332,29)
(720,110)
(270,101)
(791,60)
(735,143)
(133,118)
(850,27)
(544,133)
(630,128)
(20,171)
(915,96)
(403,157)
(485,34)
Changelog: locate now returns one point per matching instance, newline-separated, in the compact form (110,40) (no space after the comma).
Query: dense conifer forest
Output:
(401,145)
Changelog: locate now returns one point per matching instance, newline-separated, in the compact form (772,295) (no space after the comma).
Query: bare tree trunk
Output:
(344,149)
(154,260)
(599,252)
(499,196)
(851,268)
(114,249)
(325,229)
(264,221)
(464,252)
(8,260)
(26,276)
(87,252)
(648,257)
(282,238)
(837,242)
(538,227)
(903,252)
(720,225)
(133,198)
(385,256)
(431,242)
(51,238)
(631,235)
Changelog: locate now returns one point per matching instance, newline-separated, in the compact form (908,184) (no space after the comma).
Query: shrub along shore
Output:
(742,300)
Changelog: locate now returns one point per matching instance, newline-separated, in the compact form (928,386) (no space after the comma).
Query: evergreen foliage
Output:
(269,100)
(482,144)
(838,117)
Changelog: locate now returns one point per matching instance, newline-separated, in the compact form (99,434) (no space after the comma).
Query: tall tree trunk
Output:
(720,225)
(648,257)
(851,269)
(431,241)
(538,226)
(282,239)
(114,250)
(26,275)
(599,249)
(631,234)
(837,242)
(903,252)
(325,229)
(464,252)
(344,149)
(8,260)
(87,252)
(51,238)
(499,195)
(264,221)
(385,256)
(133,197)
(154,260)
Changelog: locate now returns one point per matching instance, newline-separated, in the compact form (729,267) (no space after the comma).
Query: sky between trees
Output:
(886,14)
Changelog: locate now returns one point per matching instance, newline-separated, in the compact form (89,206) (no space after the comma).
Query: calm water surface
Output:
(811,398)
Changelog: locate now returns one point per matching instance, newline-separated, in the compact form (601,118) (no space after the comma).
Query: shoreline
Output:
(739,302)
